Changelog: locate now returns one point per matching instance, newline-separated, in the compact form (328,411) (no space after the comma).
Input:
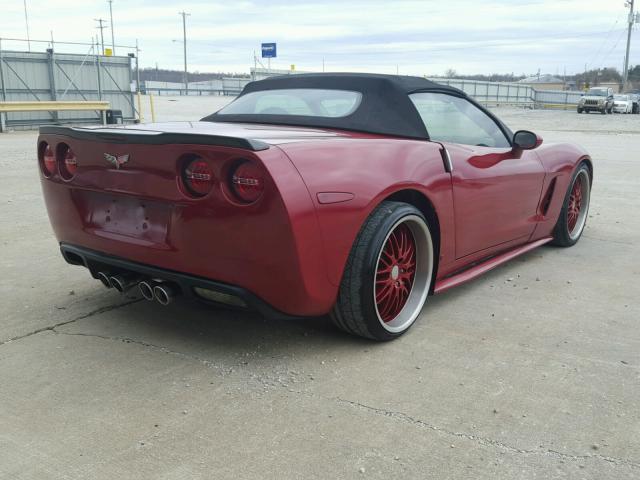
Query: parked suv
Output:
(597,99)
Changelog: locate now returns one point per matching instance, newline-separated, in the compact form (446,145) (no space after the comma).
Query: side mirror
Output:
(526,140)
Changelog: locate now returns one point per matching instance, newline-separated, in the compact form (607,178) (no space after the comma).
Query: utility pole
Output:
(137,68)
(101,27)
(625,70)
(184,44)
(26,21)
(113,42)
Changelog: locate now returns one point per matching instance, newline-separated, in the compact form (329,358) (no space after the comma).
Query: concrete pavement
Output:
(532,371)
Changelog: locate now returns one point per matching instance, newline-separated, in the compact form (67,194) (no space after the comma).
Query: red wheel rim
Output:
(575,204)
(395,272)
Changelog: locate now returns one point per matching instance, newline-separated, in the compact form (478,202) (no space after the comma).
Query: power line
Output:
(488,43)
(592,61)
(615,45)
(58,42)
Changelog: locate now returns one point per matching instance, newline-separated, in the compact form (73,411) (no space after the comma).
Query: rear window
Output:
(311,102)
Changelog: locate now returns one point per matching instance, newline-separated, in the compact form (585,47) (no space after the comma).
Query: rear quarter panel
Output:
(371,170)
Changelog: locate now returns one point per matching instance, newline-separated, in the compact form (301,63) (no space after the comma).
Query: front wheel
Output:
(388,274)
(575,209)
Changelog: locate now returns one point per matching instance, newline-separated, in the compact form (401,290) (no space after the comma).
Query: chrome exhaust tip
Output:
(122,283)
(164,293)
(104,278)
(146,289)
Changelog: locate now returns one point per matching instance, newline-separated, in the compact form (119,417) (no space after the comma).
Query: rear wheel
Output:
(388,274)
(575,209)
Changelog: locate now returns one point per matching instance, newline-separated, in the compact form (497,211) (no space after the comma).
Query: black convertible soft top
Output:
(385,107)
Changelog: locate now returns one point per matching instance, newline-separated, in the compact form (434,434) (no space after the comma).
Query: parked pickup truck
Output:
(597,99)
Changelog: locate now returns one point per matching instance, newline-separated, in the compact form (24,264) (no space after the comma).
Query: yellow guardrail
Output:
(45,106)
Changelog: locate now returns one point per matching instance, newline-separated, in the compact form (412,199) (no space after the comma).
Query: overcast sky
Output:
(416,37)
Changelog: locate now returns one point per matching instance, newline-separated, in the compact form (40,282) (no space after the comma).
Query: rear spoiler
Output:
(150,137)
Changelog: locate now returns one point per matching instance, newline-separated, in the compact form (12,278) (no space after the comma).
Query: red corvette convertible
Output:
(352,195)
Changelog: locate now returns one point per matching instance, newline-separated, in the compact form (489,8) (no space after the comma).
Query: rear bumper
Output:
(97,261)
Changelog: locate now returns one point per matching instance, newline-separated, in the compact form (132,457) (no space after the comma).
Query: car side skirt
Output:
(477,269)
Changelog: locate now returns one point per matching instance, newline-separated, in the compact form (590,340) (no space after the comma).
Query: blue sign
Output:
(268,50)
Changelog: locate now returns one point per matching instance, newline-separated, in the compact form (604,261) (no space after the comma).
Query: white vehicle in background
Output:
(622,104)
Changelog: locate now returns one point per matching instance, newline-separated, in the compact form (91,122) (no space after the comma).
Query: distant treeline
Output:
(590,77)
(177,76)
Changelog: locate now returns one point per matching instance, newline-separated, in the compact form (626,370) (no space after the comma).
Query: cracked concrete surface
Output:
(532,371)
(53,327)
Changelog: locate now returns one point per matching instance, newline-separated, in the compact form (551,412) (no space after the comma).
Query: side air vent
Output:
(546,200)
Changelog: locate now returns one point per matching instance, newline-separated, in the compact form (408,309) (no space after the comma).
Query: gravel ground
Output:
(532,371)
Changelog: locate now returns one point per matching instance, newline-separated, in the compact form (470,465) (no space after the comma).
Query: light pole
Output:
(26,21)
(113,42)
(625,73)
(184,44)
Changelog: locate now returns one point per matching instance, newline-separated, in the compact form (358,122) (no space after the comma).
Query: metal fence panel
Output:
(29,76)
(492,93)
(485,93)
(557,98)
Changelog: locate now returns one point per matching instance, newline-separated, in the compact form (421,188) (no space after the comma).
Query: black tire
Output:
(356,308)
(610,111)
(604,111)
(579,110)
(563,234)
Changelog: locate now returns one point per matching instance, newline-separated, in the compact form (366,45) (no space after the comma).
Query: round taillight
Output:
(48,160)
(68,163)
(198,177)
(247,181)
